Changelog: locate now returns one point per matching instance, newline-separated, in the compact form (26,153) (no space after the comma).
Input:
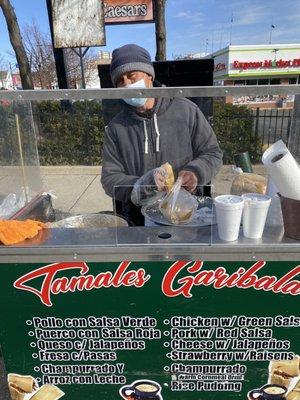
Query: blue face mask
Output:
(136,102)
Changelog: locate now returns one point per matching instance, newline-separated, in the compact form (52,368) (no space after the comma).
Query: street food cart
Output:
(151,312)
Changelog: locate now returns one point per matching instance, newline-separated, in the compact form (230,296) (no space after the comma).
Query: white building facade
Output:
(271,64)
(258,64)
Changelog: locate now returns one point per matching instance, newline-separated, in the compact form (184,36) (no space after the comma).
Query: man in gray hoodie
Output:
(150,132)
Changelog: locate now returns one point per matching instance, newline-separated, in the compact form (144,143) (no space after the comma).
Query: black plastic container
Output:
(291,217)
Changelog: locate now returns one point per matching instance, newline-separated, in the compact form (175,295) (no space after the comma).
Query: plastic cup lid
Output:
(256,197)
(229,202)
(228,199)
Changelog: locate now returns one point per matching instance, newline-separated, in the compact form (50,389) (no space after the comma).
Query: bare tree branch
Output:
(17,44)
(90,62)
(40,53)
(2,63)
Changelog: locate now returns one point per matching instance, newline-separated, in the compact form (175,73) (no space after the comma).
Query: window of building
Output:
(218,83)
(274,81)
(263,81)
(251,82)
(293,81)
(240,82)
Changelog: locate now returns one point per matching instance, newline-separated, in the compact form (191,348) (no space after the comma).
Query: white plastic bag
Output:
(11,204)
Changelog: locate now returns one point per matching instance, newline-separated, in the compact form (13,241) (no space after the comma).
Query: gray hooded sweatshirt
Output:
(176,132)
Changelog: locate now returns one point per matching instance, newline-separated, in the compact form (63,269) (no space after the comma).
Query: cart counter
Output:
(155,312)
(150,243)
(117,312)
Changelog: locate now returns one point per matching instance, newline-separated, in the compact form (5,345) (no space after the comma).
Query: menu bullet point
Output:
(34,355)
(33,344)
(169,355)
(37,369)
(166,333)
(166,344)
(31,333)
(166,368)
(166,321)
(38,379)
(28,322)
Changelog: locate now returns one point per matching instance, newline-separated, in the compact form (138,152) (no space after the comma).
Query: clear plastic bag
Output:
(248,183)
(178,206)
(11,204)
(146,189)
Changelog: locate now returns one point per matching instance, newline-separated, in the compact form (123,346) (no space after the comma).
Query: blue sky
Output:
(192,25)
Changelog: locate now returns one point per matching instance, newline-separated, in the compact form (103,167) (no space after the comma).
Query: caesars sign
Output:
(124,11)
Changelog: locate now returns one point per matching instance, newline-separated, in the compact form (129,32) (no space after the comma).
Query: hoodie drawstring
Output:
(157,136)
(146,137)
(157,133)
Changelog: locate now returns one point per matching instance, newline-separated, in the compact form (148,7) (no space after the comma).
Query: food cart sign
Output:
(128,11)
(151,330)
(78,23)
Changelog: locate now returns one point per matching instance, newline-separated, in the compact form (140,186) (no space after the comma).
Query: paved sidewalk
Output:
(78,188)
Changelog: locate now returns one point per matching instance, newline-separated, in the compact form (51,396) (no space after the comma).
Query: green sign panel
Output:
(140,330)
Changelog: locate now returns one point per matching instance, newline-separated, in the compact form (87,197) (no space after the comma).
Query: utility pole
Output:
(221,37)
(271,31)
(231,24)
(160,29)
(206,46)
(81,55)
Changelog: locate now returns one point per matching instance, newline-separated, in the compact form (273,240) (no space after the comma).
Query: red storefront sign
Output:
(266,64)
(220,67)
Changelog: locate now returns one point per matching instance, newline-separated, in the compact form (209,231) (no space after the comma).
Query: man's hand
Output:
(189,180)
(160,179)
